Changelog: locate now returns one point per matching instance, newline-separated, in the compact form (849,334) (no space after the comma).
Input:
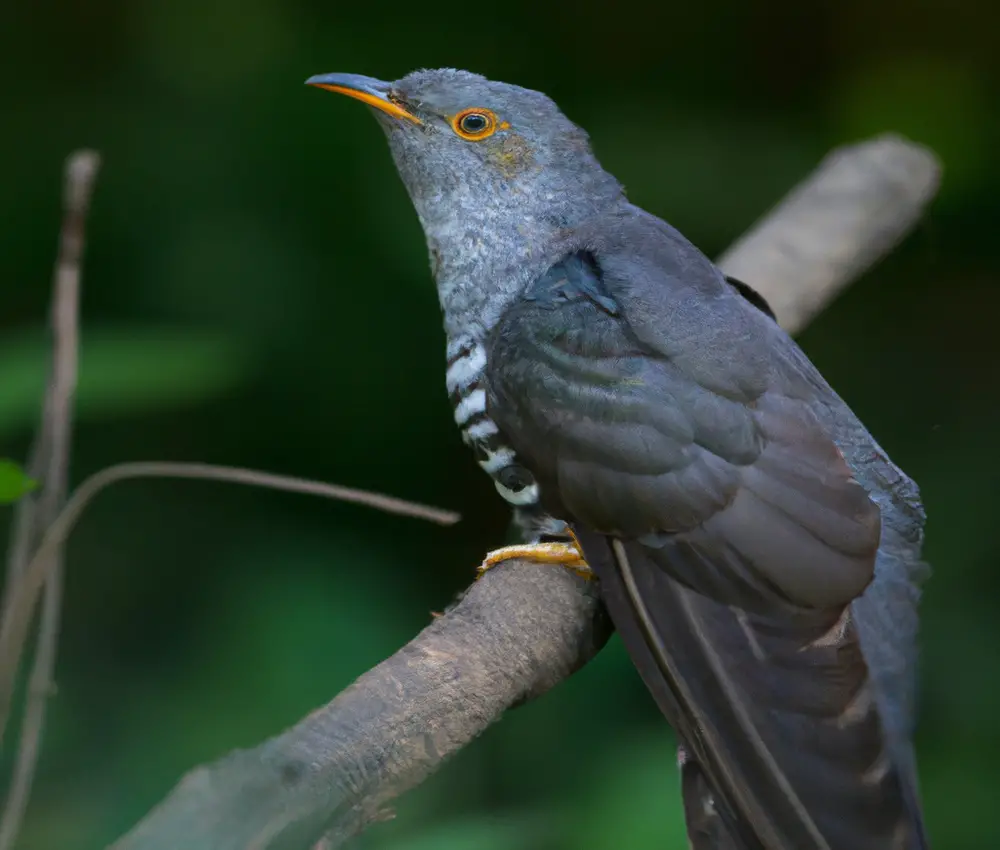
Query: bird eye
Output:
(474,124)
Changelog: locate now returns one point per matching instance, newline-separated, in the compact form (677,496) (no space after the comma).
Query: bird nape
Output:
(648,420)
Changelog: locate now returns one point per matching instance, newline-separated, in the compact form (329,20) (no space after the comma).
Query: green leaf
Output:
(13,482)
(121,371)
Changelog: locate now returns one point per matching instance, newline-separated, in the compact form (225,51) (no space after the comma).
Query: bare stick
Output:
(22,600)
(51,455)
(523,627)
(50,451)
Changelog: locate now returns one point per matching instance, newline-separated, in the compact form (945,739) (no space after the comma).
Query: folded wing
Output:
(727,530)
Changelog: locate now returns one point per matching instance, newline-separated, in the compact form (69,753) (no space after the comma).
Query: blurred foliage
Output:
(256,293)
(123,371)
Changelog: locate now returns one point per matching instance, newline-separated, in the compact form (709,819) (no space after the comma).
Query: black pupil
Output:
(474,123)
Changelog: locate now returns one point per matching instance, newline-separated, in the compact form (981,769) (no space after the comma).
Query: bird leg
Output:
(568,554)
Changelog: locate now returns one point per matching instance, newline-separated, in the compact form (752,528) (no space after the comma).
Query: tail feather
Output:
(706,827)
(778,715)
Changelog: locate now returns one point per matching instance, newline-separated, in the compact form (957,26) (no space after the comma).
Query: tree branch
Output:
(517,632)
(833,227)
(521,629)
(50,462)
(22,596)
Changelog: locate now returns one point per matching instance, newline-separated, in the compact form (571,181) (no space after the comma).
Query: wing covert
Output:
(625,438)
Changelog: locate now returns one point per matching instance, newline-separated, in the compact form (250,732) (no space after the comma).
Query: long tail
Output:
(778,716)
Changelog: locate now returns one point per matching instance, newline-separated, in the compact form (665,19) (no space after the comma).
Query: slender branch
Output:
(51,457)
(50,450)
(17,618)
(522,628)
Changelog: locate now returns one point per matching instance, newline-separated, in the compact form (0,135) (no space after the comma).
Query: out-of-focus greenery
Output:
(257,293)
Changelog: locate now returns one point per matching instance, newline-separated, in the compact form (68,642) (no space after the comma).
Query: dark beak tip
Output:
(357,82)
(368,90)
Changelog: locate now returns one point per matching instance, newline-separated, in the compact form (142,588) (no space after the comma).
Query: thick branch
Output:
(521,629)
(854,209)
(516,633)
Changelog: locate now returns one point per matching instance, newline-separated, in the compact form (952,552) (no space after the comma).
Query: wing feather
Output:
(690,448)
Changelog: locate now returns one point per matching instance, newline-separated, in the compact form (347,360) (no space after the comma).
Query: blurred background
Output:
(256,293)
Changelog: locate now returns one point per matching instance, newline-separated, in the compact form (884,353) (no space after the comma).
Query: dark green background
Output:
(257,293)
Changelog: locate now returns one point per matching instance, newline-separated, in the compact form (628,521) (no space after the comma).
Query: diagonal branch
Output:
(828,231)
(521,629)
(516,633)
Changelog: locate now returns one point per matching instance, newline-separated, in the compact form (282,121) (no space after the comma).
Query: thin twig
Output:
(18,619)
(52,456)
(523,627)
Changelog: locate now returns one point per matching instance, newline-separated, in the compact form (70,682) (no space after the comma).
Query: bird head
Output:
(494,170)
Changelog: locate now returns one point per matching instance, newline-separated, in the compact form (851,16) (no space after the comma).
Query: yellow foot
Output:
(567,555)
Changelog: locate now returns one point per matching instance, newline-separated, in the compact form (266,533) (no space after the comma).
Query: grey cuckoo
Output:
(649,421)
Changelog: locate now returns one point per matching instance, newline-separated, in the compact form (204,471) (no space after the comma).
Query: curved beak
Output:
(368,90)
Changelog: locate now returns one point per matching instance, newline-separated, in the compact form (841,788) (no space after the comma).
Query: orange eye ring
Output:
(475,124)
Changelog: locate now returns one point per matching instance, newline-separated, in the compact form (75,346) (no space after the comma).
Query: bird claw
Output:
(568,555)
